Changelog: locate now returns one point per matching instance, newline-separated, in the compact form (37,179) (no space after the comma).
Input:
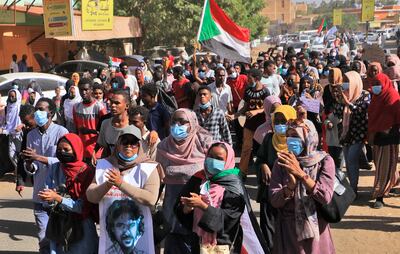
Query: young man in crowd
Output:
(130,81)
(87,114)
(158,117)
(221,92)
(138,117)
(271,80)
(212,118)
(14,64)
(26,114)
(111,128)
(41,145)
(178,87)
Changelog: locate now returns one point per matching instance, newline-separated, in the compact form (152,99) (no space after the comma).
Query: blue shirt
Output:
(45,144)
(158,119)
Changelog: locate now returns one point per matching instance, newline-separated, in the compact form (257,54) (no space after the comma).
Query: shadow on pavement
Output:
(10,203)
(372,223)
(17,228)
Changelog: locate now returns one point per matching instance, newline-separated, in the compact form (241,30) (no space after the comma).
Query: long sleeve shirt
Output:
(44,144)
(216,124)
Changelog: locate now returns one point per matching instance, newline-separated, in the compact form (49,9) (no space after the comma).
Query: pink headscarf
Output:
(216,194)
(393,72)
(355,90)
(192,150)
(266,127)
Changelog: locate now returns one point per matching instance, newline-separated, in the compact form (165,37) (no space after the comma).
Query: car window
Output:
(7,86)
(48,84)
(92,67)
(67,68)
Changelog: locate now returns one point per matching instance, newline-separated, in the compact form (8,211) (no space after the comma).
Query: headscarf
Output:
(355,90)
(214,196)
(75,77)
(78,175)
(305,210)
(266,127)
(368,81)
(120,164)
(70,103)
(363,70)
(12,113)
(279,140)
(384,110)
(393,72)
(337,77)
(193,148)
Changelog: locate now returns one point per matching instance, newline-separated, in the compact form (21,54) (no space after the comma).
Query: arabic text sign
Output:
(368,10)
(310,105)
(97,15)
(57,18)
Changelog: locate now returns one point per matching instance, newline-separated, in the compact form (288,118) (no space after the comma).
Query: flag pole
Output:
(202,18)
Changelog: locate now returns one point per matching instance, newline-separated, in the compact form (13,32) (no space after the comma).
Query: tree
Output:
(166,22)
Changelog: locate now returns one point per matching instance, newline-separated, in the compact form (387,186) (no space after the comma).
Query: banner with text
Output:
(57,17)
(97,15)
(337,17)
(367,10)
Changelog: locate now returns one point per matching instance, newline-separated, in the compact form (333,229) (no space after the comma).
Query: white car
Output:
(372,37)
(304,38)
(47,82)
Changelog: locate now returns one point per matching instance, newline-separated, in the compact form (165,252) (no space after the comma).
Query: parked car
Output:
(47,82)
(372,37)
(80,66)
(304,38)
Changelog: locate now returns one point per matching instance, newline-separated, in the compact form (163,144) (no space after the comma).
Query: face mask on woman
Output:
(41,118)
(64,157)
(127,159)
(376,90)
(284,71)
(295,145)
(280,129)
(346,86)
(233,75)
(214,166)
(179,132)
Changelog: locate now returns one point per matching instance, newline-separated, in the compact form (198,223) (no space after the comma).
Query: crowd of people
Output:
(117,145)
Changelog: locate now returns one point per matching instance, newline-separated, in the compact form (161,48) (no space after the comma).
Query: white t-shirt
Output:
(273,83)
(137,177)
(132,83)
(222,97)
(14,67)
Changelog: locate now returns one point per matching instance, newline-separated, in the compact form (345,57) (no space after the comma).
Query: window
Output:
(283,3)
(91,67)
(7,86)
(48,85)
(67,68)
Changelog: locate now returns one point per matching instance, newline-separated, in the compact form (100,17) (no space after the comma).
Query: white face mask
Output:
(233,75)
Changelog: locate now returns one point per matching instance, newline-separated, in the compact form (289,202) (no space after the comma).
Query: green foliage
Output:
(176,22)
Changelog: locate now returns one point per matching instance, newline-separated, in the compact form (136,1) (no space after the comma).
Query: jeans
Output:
(336,153)
(41,219)
(352,158)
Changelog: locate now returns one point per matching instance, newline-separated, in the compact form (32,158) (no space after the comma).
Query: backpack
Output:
(169,102)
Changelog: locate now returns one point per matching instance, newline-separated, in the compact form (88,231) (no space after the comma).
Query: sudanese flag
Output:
(219,34)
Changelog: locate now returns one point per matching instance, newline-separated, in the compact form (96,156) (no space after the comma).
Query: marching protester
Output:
(126,176)
(40,152)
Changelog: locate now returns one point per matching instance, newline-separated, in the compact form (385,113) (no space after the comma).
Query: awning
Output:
(123,27)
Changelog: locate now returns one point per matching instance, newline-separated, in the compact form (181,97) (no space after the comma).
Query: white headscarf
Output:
(12,114)
(70,103)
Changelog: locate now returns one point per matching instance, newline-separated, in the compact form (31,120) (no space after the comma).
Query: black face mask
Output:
(12,100)
(124,72)
(64,157)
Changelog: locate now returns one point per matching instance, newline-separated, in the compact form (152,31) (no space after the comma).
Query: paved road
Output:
(364,230)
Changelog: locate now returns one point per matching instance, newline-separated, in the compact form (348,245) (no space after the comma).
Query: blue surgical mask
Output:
(179,132)
(295,145)
(326,73)
(115,85)
(186,73)
(41,118)
(202,75)
(284,71)
(376,90)
(320,71)
(346,86)
(205,106)
(280,129)
(127,159)
(214,166)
